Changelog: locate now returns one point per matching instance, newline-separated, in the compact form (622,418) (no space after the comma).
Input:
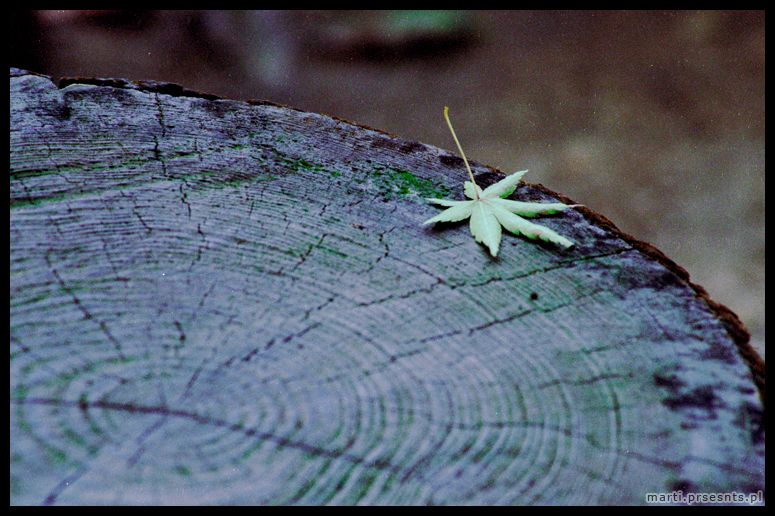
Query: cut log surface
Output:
(225,302)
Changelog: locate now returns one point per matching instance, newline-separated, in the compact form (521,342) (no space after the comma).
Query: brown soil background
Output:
(655,119)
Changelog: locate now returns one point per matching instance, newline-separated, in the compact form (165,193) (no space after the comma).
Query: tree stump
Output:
(223,302)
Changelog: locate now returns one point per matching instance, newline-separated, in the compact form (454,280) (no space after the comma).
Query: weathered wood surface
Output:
(224,302)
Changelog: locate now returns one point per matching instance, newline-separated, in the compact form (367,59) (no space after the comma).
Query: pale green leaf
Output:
(530,209)
(468,190)
(485,226)
(489,212)
(444,202)
(489,209)
(459,211)
(517,225)
(505,186)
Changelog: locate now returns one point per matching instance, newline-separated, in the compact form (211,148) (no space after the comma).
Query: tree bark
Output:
(223,302)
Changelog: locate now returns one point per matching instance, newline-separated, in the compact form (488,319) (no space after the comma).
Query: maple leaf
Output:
(489,209)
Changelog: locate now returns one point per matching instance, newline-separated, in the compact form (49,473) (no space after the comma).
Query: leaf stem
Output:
(470,174)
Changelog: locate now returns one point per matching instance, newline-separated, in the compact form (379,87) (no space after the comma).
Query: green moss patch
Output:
(397,182)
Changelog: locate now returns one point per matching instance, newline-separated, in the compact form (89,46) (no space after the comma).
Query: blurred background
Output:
(655,119)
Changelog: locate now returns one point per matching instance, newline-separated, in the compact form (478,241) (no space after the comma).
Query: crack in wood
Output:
(86,314)
(166,412)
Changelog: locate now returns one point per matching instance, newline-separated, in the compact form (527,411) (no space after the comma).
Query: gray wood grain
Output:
(221,302)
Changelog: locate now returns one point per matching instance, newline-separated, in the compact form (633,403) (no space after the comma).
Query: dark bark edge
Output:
(734,326)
